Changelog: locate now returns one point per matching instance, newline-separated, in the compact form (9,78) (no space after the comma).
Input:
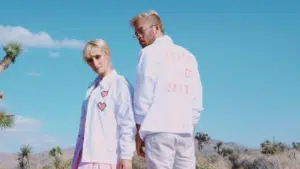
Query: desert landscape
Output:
(211,154)
(246,53)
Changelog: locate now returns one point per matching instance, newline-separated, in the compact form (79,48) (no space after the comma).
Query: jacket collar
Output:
(164,39)
(107,80)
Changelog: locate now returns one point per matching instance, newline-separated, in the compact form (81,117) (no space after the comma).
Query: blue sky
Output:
(248,54)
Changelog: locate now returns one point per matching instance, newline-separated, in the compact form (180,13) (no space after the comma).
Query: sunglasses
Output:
(96,57)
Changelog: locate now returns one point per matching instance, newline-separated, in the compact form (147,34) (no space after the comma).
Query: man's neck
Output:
(159,35)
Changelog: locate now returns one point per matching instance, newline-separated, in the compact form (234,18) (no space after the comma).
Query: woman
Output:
(107,130)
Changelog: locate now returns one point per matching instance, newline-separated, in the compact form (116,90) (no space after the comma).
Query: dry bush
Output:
(255,160)
(289,159)
(203,163)
(219,162)
(245,160)
(138,162)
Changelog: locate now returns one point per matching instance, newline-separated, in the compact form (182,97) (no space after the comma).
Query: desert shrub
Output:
(265,163)
(218,146)
(219,162)
(296,146)
(289,159)
(47,167)
(67,164)
(255,160)
(203,163)
(226,152)
(202,139)
(268,147)
(234,159)
(138,162)
(283,147)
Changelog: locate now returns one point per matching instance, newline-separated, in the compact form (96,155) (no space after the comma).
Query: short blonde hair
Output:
(150,16)
(96,47)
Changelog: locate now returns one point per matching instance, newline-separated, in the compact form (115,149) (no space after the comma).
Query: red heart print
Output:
(104,93)
(101,106)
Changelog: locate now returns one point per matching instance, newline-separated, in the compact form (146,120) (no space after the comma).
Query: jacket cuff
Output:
(126,157)
(196,118)
(139,118)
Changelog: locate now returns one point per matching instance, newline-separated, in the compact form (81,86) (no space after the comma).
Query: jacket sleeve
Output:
(125,120)
(197,96)
(144,87)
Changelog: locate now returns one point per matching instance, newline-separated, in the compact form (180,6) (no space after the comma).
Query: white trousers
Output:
(96,166)
(170,151)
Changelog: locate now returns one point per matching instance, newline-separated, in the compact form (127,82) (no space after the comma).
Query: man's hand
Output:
(139,143)
(125,164)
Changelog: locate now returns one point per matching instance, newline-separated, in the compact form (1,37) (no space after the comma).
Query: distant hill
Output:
(9,161)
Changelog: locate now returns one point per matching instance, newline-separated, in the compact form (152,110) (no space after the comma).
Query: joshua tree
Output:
(269,147)
(218,146)
(6,121)
(56,153)
(226,151)
(296,145)
(12,51)
(202,139)
(23,156)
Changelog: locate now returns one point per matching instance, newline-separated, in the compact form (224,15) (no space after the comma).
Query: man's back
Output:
(167,96)
(176,84)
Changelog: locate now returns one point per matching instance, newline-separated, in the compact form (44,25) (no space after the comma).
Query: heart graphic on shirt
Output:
(101,106)
(104,93)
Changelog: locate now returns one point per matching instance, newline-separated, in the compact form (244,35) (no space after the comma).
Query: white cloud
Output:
(26,131)
(24,124)
(33,74)
(38,40)
(54,54)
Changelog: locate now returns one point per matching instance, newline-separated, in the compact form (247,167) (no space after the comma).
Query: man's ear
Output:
(157,28)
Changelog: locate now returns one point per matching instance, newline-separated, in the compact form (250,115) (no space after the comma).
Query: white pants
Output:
(96,166)
(170,151)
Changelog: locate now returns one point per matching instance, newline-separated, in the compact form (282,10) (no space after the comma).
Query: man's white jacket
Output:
(168,89)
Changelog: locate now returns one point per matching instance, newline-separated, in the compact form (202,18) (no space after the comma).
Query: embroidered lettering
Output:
(188,73)
(178,88)
(186,89)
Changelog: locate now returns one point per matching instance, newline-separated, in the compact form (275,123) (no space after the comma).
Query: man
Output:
(167,98)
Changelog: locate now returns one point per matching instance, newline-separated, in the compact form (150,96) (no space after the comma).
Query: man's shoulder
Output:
(182,49)
(148,50)
(148,53)
(156,49)
(186,52)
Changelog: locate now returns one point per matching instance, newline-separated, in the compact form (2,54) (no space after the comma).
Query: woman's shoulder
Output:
(122,81)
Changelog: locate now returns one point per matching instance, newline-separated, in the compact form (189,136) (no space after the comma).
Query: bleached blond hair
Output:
(151,17)
(96,47)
